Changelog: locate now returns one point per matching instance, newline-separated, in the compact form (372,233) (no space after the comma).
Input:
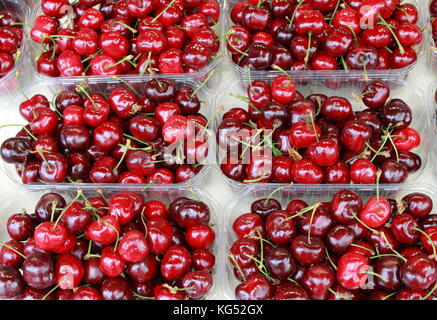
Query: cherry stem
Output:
(311,223)
(79,192)
(307,56)
(301,212)
(295,10)
(232,257)
(343,62)
(146,67)
(92,56)
(12,249)
(313,125)
(384,23)
(227,35)
(88,254)
(329,258)
(163,11)
(50,292)
(204,82)
(127,84)
(20,125)
(143,149)
(54,204)
(261,267)
(375,274)
(391,248)
(276,67)
(434,251)
(335,11)
(361,247)
(244,99)
(389,295)
(338,295)
(116,231)
(430,292)
(125,25)
(365,225)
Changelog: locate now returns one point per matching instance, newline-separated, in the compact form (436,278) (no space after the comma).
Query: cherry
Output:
(116,289)
(15,150)
(69,271)
(375,94)
(307,172)
(393,172)
(351,272)
(44,27)
(376,212)
(200,237)
(417,204)
(406,139)
(363,171)
(9,254)
(203,259)
(111,263)
(69,64)
(290,291)
(354,135)
(254,288)
(388,268)
(87,293)
(133,247)
(264,207)
(197,284)
(280,229)
(103,232)
(20,226)
(280,263)
(403,228)
(339,238)
(345,205)
(241,252)
(144,270)
(92,273)
(38,271)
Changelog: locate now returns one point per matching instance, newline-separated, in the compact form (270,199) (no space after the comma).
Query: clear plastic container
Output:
(423,115)
(51,87)
(11,82)
(421,49)
(241,203)
(213,66)
(28,197)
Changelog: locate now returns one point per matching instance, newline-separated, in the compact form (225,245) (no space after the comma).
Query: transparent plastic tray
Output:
(214,64)
(421,49)
(10,82)
(423,113)
(240,204)
(28,197)
(50,87)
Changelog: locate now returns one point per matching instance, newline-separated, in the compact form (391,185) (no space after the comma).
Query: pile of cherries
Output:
(120,138)
(318,139)
(344,249)
(433,11)
(122,248)
(11,34)
(324,35)
(110,37)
